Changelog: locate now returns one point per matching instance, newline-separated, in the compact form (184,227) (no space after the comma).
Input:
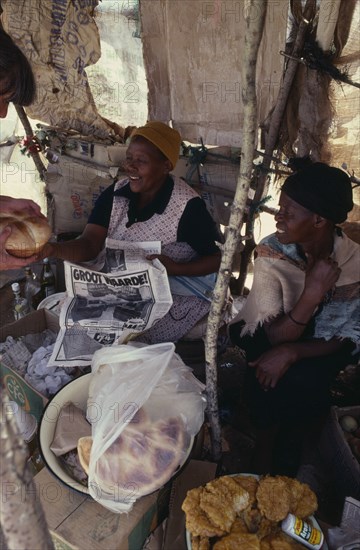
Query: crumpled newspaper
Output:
(34,341)
(46,380)
(347,535)
(14,354)
(29,356)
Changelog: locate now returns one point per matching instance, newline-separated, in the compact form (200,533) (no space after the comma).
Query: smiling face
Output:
(294,223)
(146,167)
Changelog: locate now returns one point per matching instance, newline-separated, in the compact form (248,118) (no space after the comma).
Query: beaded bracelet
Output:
(295,321)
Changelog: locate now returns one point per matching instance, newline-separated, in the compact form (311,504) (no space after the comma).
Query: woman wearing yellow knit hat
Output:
(150,204)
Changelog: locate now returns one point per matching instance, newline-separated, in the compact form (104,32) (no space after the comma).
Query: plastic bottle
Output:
(33,292)
(20,304)
(303,531)
(47,279)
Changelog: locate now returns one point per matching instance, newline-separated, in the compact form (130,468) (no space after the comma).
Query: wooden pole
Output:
(29,134)
(22,521)
(253,34)
(271,137)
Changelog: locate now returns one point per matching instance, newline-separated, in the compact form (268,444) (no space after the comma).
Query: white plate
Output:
(53,302)
(313,520)
(76,391)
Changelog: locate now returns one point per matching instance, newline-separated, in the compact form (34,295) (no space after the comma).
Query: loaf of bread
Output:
(28,233)
(141,460)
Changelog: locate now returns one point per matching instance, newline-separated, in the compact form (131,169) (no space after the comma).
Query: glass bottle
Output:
(33,291)
(47,279)
(20,304)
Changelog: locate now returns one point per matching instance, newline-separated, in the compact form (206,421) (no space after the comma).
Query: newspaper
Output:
(119,294)
(347,536)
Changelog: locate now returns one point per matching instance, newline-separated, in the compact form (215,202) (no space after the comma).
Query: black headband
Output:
(322,189)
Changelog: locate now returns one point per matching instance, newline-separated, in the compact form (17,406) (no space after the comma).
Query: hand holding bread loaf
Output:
(28,233)
(23,232)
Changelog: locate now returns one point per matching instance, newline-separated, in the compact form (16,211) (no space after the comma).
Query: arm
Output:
(321,277)
(274,363)
(8,205)
(91,241)
(84,248)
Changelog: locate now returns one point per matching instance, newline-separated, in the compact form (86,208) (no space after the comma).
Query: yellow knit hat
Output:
(166,139)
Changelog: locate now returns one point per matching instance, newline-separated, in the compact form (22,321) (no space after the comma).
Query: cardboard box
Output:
(17,388)
(337,455)
(76,521)
(195,473)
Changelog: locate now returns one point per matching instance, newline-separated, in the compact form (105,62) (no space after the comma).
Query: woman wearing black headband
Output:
(300,323)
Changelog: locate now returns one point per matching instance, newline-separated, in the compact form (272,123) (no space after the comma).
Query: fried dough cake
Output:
(303,500)
(267,527)
(219,513)
(240,512)
(227,488)
(238,541)
(273,497)
(239,526)
(280,541)
(308,504)
(256,523)
(200,543)
(211,510)
(252,518)
(222,499)
(197,522)
(250,484)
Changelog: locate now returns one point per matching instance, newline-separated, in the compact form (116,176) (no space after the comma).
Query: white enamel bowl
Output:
(77,392)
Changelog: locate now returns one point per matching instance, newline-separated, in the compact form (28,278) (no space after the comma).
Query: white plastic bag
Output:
(145,406)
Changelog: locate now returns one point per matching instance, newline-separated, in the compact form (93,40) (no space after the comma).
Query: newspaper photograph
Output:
(125,294)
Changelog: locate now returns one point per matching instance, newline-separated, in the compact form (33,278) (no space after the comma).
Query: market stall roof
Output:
(193,52)
(104,66)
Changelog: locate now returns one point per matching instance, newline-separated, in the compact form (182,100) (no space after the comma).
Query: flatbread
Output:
(141,460)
